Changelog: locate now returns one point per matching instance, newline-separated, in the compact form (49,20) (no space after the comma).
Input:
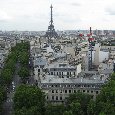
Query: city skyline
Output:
(34,15)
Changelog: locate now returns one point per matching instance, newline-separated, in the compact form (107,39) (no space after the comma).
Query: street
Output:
(8,104)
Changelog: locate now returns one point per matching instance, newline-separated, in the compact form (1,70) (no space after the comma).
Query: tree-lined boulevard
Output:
(15,72)
(19,97)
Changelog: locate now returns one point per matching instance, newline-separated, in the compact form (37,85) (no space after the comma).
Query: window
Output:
(65,91)
(51,73)
(61,91)
(70,73)
(38,70)
(97,92)
(47,97)
(74,91)
(56,97)
(92,85)
(79,85)
(52,91)
(56,91)
(52,97)
(74,73)
(69,91)
(67,73)
(91,91)
(60,98)
(83,90)
(87,91)
(92,96)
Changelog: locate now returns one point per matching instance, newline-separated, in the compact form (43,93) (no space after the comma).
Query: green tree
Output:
(23,73)
(113,76)
(102,113)
(29,96)
(2,97)
(13,56)
(81,98)
(107,93)
(6,76)
(108,108)
(68,113)
(105,102)
(10,65)
(19,52)
(30,111)
(91,108)
(23,58)
(76,109)
(54,109)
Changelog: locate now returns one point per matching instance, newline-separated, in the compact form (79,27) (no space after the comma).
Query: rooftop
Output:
(56,79)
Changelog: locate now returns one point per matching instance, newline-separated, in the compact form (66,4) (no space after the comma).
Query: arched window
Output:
(56,97)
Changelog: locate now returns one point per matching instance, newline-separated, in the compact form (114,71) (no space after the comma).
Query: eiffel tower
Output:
(51,33)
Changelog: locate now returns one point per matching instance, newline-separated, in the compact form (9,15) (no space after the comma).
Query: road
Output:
(8,104)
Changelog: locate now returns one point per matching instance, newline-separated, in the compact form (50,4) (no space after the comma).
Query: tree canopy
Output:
(8,70)
(23,73)
(27,96)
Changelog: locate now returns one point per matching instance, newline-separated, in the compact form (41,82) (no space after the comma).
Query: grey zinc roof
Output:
(1,56)
(59,55)
(40,61)
(56,65)
(56,79)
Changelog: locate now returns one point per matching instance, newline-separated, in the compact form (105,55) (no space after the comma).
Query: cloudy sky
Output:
(68,14)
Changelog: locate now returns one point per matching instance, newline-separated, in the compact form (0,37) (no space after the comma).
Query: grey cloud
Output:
(67,19)
(1,20)
(110,11)
(75,4)
(58,14)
